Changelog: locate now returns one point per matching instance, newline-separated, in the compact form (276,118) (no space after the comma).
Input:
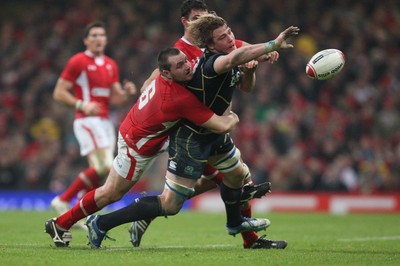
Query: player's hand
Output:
(91,108)
(272,57)
(249,67)
(129,87)
(280,41)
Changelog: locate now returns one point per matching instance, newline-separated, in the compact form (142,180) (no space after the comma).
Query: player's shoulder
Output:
(239,43)
(78,56)
(77,60)
(179,43)
(185,45)
(108,59)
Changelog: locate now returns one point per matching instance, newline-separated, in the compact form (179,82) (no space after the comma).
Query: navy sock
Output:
(141,209)
(231,199)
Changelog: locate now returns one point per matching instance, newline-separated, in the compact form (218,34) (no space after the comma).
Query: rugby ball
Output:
(325,64)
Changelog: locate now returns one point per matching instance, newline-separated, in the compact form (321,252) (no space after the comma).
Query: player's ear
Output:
(184,21)
(166,74)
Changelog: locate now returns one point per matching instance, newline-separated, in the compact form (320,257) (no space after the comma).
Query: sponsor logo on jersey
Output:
(92,67)
(101,92)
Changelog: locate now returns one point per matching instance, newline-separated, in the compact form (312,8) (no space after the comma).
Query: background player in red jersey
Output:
(143,135)
(190,11)
(93,79)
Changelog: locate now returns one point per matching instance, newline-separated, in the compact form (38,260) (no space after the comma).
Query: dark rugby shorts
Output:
(189,151)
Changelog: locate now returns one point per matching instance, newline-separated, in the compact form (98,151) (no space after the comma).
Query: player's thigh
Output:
(101,159)
(116,186)
(188,154)
(129,164)
(94,133)
(226,158)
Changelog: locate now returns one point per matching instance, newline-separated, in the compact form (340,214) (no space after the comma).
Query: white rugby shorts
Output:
(94,133)
(131,165)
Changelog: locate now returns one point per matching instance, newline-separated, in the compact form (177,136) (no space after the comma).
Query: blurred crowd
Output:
(302,135)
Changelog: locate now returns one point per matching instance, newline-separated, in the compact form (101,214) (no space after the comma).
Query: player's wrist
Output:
(270,46)
(79,105)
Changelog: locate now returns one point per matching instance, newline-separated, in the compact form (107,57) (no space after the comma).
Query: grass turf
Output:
(192,238)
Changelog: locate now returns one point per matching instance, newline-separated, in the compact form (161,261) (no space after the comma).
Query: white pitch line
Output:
(376,238)
(200,246)
(110,248)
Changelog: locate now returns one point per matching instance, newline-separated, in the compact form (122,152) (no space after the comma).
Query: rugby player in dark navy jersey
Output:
(191,147)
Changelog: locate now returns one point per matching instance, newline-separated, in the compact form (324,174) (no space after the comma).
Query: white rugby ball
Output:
(325,64)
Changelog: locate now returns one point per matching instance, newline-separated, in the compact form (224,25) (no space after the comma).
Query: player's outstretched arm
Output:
(250,52)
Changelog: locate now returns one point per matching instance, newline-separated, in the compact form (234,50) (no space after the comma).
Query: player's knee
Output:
(102,170)
(174,196)
(102,163)
(108,194)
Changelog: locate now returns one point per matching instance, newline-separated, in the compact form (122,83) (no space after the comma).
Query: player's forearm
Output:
(222,124)
(247,82)
(152,77)
(246,54)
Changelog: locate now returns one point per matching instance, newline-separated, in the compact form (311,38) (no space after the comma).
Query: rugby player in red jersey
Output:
(142,136)
(90,83)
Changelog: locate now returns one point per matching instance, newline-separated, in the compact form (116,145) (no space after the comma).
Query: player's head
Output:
(191,10)
(174,65)
(212,31)
(95,38)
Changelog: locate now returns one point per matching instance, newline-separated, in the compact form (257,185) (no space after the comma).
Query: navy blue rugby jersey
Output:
(214,90)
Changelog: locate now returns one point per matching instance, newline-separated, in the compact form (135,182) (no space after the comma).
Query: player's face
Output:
(181,69)
(223,40)
(96,41)
(196,13)
(193,15)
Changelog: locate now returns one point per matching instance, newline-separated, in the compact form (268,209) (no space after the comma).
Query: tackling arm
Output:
(221,124)
(152,77)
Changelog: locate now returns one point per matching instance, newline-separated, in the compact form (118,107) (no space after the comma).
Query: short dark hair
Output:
(189,5)
(94,24)
(163,57)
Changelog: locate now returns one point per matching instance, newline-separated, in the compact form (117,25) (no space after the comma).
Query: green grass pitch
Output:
(192,238)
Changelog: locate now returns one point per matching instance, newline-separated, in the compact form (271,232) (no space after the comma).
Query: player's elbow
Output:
(57,96)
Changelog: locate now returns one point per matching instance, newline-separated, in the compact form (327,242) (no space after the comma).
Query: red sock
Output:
(248,237)
(85,180)
(218,178)
(83,208)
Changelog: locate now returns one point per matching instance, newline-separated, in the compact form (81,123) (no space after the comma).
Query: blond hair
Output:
(202,29)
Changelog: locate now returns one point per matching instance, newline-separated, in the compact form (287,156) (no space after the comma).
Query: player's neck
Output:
(171,80)
(188,38)
(94,54)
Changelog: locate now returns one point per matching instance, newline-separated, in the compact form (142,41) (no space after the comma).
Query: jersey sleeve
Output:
(239,43)
(190,108)
(208,67)
(72,69)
